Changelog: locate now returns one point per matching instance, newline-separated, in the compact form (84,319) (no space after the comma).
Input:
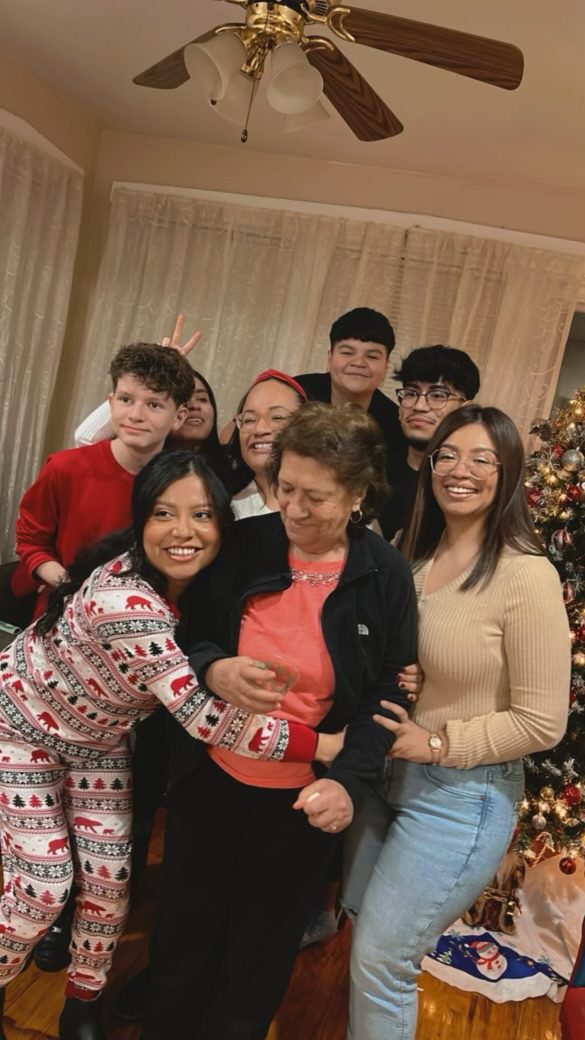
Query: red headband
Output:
(281,377)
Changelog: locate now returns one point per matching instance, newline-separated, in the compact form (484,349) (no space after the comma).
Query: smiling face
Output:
(200,418)
(458,493)
(315,508)
(267,408)
(143,418)
(419,422)
(357,369)
(182,535)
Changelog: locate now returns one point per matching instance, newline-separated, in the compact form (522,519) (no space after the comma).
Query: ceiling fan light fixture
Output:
(317,114)
(235,103)
(295,86)
(213,63)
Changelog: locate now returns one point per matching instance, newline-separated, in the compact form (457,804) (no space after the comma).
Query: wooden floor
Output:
(315,1007)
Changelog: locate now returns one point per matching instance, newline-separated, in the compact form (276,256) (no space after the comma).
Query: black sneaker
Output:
(130,1003)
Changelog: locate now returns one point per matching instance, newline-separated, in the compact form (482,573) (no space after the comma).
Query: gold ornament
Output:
(547,793)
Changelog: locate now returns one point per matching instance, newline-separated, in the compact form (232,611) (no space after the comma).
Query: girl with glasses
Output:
(494,647)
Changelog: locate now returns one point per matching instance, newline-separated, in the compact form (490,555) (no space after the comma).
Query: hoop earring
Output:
(356,516)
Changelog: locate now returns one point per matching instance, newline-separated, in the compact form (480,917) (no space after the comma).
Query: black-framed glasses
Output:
(479,465)
(436,399)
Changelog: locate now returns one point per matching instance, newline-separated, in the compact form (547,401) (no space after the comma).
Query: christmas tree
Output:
(553,810)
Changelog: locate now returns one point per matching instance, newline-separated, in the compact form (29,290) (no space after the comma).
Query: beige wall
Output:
(64,123)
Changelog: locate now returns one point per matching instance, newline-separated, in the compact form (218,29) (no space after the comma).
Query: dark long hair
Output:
(507,522)
(158,474)
(210,448)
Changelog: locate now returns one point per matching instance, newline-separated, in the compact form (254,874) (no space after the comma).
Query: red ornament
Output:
(580,633)
(570,794)
(567,865)
(573,492)
(534,497)
(557,451)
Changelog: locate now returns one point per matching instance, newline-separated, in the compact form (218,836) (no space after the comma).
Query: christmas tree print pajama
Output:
(62,823)
(68,698)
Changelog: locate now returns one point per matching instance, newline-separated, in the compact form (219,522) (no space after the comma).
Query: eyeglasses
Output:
(275,418)
(479,466)
(435,399)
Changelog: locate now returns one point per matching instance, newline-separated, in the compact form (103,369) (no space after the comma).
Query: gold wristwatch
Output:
(436,746)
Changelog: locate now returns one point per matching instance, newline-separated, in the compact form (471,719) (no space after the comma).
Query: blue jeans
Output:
(450,831)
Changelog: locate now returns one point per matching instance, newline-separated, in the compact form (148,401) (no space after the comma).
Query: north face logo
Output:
(363,630)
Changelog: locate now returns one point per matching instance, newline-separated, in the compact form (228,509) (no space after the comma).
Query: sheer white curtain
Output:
(262,284)
(40,202)
(508,306)
(265,285)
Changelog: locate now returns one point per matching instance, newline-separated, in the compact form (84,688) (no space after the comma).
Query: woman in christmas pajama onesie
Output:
(71,688)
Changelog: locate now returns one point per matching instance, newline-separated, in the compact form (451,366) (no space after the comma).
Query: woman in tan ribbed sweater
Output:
(494,647)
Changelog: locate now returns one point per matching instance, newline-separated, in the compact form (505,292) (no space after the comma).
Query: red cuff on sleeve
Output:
(302,743)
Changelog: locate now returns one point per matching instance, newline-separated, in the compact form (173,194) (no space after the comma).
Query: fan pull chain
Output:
(244,134)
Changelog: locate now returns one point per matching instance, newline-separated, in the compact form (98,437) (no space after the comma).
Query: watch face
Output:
(435,742)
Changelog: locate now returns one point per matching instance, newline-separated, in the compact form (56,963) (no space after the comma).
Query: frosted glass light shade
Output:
(295,86)
(235,103)
(213,63)
(317,114)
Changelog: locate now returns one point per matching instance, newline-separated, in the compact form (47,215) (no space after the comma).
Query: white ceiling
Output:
(533,136)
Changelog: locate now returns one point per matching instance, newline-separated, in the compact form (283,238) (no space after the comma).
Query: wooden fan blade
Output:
(490,61)
(353,97)
(169,72)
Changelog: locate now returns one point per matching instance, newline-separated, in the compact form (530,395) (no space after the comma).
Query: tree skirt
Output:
(537,961)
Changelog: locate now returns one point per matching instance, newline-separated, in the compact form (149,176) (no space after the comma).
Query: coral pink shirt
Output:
(286,625)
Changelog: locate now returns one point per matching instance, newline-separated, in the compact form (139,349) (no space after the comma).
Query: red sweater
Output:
(80,495)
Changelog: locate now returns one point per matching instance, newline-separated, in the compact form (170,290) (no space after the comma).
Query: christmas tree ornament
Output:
(570,794)
(567,865)
(573,460)
(547,793)
(574,493)
(539,822)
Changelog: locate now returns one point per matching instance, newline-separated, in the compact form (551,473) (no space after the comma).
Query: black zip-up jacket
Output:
(369,625)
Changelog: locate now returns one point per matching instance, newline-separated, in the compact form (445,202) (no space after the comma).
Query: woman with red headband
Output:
(262,412)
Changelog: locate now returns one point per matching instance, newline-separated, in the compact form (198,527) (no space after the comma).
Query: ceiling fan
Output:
(235,57)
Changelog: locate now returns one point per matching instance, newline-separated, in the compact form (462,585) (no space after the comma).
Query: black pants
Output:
(242,870)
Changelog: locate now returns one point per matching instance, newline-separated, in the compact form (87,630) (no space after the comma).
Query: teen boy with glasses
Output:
(435,381)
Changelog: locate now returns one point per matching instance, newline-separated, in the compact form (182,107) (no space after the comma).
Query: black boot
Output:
(130,1002)
(81,1020)
(52,951)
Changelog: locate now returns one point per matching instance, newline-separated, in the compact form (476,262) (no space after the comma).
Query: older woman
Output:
(248,849)
(494,647)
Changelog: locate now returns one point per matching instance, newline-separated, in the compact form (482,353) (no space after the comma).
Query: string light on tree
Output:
(552,814)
